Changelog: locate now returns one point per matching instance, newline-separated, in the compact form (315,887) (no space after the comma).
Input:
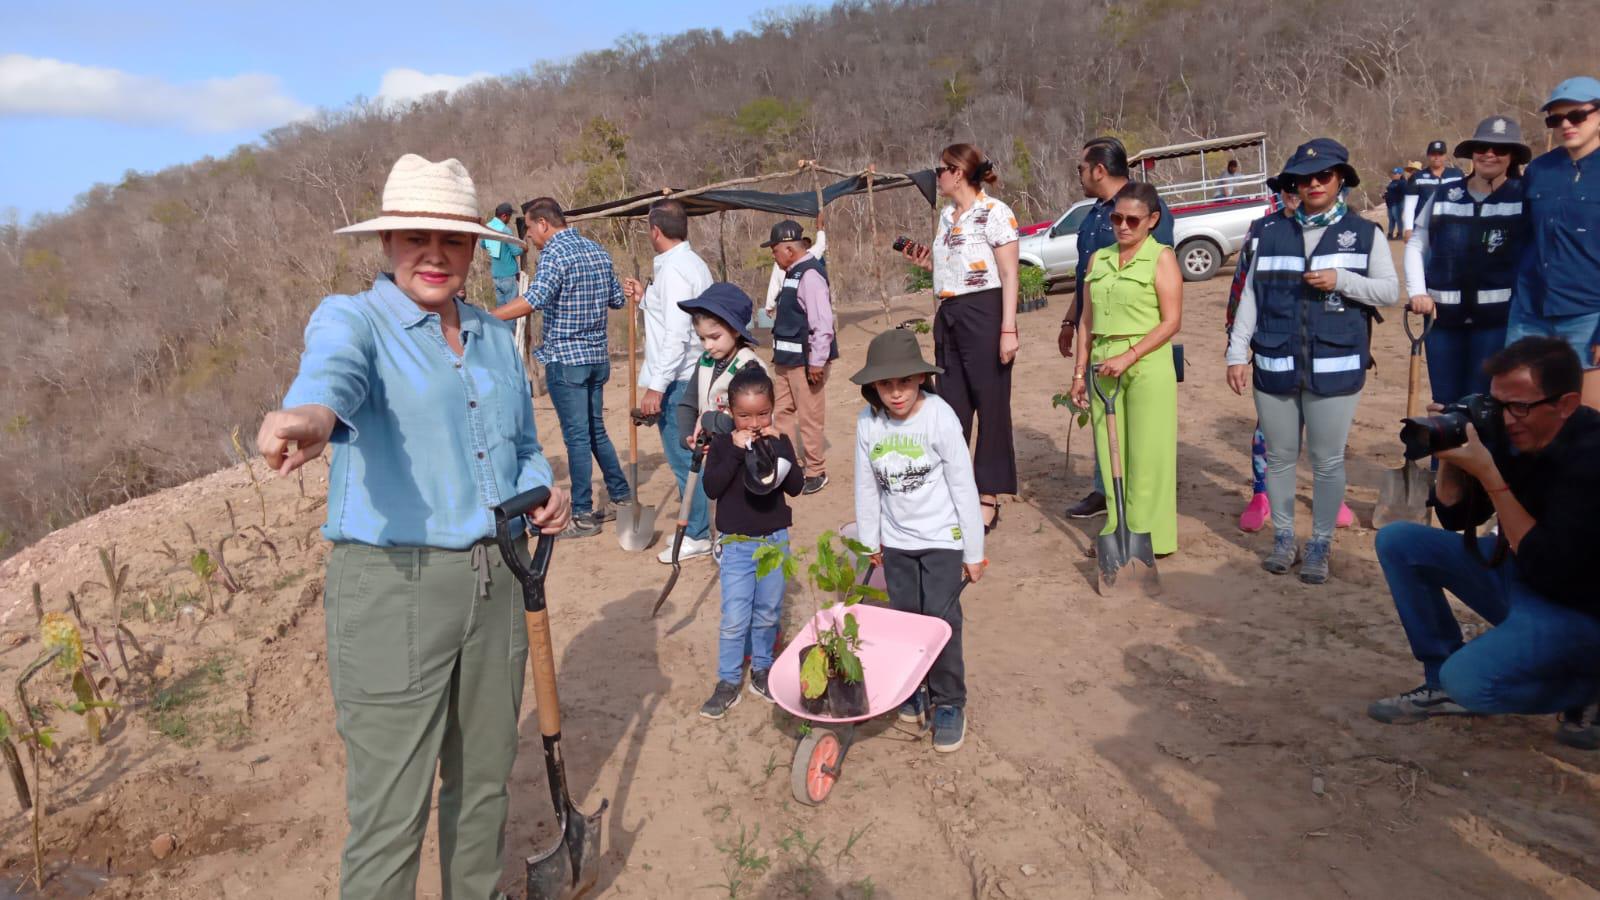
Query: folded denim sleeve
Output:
(335,367)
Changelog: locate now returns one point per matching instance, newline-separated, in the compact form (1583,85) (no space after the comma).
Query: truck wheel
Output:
(1199,258)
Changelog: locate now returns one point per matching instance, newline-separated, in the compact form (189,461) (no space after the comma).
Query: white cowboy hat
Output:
(430,196)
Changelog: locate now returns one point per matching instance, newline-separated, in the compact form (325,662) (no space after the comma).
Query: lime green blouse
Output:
(1124,296)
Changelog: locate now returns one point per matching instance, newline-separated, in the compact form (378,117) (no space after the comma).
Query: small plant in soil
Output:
(832,680)
(203,568)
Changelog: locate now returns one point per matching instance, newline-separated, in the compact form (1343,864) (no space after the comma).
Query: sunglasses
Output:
(1575,117)
(1520,409)
(1324,177)
(1120,219)
(947,168)
(1476,149)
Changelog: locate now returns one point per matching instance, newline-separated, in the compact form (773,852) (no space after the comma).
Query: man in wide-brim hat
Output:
(427,406)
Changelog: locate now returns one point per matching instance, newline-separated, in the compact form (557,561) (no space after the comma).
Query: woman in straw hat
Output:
(426,404)
(1462,259)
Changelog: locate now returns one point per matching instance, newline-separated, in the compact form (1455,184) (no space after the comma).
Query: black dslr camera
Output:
(1424,436)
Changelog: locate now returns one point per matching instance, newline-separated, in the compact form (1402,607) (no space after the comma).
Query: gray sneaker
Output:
(582,525)
(1414,706)
(1285,553)
(724,698)
(1580,728)
(1314,569)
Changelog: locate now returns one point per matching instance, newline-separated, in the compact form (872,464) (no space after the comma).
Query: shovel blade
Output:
(636,526)
(1130,574)
(568,870)
(1403,495)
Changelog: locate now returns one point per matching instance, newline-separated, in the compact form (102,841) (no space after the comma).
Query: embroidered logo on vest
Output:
(1456,193)
(1494,240)
(1347,240)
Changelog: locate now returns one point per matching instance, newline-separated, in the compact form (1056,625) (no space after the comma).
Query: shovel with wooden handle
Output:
(1403,495)
(1126,558)
(636,523)
(567,869)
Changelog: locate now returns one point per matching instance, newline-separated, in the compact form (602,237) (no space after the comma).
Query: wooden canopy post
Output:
(877,256)
(722,243)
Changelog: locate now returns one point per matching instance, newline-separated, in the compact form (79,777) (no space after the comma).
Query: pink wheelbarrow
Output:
(897,650)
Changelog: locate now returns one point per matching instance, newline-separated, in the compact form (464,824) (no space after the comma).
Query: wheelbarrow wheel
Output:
(815,767)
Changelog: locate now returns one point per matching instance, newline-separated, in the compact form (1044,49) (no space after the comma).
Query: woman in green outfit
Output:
(1135,307)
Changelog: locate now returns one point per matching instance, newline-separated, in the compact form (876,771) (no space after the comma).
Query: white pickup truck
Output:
(1211,215)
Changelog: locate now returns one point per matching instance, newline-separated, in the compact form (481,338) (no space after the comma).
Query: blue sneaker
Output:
(912,711)
(949,728)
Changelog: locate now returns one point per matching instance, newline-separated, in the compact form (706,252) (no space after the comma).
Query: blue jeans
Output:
(577,392)
(680,458)
(1575,330)
(751,609)
(505,290)
(1456,357)
(1394,220)
(1540,657)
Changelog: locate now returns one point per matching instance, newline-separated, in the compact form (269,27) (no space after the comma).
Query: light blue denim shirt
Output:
(427,442)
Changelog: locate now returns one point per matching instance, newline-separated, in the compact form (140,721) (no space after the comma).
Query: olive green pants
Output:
(1147,435)
(426,654)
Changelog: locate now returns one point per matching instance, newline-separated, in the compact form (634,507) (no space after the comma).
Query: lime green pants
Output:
(1147,433)
(426,654)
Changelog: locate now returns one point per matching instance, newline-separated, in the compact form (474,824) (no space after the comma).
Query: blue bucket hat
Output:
(1581,89)
(1319,155)
(728,303)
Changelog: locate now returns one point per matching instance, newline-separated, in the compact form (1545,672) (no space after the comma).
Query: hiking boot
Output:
(1093,504)
(724,698)
(1255,516)
(815,483)
(1414,706)
(691,549)
(949,728)
(758,684)
(1285,553)
(1580,728)
(582,525)
(1314,570)
(912,711)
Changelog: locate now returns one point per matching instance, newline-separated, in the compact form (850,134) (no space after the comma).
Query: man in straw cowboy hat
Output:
(426,404)
(575,285)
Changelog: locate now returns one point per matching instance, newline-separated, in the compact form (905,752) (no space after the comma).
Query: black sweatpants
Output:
(929,582)
(966,344)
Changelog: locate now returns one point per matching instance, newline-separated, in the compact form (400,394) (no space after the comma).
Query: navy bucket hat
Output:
(728,303)
(1319,155)
(1497,131)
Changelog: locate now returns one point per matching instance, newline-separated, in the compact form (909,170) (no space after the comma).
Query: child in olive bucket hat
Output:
(917,510)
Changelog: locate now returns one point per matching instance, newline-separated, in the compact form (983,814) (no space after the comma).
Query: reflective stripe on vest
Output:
(1280,264)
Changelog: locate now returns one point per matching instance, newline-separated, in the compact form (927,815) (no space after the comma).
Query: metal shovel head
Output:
(568,869)
(1403,495)
(636,525)
(1126,574)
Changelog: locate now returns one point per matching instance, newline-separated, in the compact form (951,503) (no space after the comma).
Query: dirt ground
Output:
(1211,743)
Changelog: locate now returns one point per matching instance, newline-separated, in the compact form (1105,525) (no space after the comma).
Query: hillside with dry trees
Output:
(158,314)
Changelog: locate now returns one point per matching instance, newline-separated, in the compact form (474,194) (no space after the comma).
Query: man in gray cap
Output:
(1557,292)
(803,347)
(1419,190)
(504,262)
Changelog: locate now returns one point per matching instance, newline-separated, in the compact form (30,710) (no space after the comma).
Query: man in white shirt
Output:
(671,348)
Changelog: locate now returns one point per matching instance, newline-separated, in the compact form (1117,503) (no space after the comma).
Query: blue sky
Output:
(91,90)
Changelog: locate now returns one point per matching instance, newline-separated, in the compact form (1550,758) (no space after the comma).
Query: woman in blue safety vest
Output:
(1303,317)
(1461,261)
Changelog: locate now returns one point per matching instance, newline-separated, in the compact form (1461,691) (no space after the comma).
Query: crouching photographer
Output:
(1529,454)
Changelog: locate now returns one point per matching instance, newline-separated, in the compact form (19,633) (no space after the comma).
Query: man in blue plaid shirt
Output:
(574,285)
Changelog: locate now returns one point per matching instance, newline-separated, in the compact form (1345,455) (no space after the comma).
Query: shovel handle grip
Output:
(542,656)
(519,506)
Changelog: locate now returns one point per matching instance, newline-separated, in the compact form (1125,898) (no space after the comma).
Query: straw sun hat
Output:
(430,196)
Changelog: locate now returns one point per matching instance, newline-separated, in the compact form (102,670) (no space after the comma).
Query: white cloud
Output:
(403,85)
(37,86)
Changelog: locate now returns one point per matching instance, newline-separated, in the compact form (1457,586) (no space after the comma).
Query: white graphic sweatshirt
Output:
(914,485)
